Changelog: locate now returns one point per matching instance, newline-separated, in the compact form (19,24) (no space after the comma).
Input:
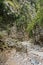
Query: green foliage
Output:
(41,13)
(34,21)
(23,13)
(38,18)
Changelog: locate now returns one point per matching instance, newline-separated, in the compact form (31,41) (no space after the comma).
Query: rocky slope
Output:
(33,56)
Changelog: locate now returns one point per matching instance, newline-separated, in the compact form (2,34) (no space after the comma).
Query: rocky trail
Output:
(33,56)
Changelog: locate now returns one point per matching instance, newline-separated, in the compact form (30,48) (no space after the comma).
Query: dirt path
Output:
(34,56)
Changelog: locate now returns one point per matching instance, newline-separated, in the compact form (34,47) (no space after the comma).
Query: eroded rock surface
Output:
(33,56)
